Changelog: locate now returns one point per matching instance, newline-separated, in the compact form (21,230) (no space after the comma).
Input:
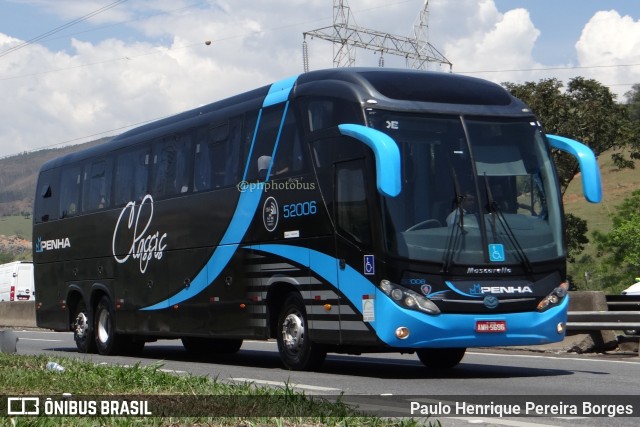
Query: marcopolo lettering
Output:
(498,270)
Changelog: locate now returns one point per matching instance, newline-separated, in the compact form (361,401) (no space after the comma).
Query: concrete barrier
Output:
(588,341)
(20,314)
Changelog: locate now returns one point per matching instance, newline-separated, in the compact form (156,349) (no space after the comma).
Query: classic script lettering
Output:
(131,232)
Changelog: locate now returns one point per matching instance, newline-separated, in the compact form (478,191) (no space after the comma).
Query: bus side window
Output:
(264,143)
(352,211)
(170,166)
(320,114)
(132,172)
(70,184)
(291,156)
(97,185)
(217,156)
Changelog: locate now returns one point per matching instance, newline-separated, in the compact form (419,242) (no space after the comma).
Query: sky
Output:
(95,68)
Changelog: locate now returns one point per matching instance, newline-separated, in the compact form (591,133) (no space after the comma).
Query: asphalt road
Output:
(391,382)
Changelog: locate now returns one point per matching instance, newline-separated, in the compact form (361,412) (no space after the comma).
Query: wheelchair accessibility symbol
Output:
(369,266)
(496,252)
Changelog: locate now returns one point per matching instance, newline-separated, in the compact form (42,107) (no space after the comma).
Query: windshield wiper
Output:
(458,225)
(495,211)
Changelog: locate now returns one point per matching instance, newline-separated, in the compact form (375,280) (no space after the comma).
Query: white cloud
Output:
(498,42)
(154,61)
(614,41)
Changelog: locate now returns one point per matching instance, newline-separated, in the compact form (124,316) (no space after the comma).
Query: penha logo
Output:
(52,245)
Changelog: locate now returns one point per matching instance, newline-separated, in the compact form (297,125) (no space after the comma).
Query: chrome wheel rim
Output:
(293,332)
(103,326)
(81,325)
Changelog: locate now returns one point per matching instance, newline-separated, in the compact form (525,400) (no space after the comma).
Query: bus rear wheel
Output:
(441,358)
(297,351)
(83,329)
(197,345)
(106,340)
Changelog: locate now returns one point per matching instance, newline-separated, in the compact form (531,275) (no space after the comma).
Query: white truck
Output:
(16,281)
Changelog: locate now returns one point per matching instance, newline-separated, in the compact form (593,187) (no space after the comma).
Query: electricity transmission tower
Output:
(347,37)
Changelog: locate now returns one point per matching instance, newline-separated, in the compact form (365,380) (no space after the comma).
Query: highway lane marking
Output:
(37,339)
(284,385)
(575,359)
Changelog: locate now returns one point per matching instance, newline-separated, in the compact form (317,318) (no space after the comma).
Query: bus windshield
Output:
(475,191)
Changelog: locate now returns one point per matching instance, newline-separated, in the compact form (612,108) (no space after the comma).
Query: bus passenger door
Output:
(354,242)
(346,186)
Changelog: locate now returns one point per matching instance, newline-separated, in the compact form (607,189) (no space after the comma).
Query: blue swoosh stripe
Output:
(326,267)
(242,217)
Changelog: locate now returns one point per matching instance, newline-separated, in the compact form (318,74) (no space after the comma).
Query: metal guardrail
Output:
(623,303)
(603,320)
(623,314)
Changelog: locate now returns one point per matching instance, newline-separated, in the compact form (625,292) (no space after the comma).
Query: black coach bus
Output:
(345,210)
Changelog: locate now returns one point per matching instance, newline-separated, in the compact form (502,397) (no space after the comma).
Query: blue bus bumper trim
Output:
(443,330)
(459,330)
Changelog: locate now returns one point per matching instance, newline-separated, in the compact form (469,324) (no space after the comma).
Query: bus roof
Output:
(400,89)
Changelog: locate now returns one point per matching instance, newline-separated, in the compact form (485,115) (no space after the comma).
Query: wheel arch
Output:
(75,294)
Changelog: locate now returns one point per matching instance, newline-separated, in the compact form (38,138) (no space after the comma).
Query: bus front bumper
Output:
(467,330)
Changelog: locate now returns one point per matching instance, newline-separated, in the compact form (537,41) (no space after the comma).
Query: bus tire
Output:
(83,329)
(441,358)
(106,340)
(297,351)
(197,345)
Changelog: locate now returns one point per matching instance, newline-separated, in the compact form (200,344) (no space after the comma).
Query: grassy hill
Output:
(18,176)
(617,184)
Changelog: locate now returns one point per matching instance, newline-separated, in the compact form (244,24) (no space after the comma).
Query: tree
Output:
(633,102)
(621,246)
(576,232)
(586,111)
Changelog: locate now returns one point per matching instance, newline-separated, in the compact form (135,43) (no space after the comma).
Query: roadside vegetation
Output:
(603,250)
(247,405)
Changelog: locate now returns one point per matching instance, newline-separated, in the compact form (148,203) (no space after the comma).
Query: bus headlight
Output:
(554,298)
(407,298)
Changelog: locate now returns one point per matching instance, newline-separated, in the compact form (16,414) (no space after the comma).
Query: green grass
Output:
(27,375)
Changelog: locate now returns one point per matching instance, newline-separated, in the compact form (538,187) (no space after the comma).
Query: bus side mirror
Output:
(591,183)
(386,152)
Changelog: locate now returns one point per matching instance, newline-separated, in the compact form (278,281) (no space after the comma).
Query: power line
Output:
(60,28)
(569,67)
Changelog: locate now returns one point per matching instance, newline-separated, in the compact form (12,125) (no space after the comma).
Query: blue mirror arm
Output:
(591,182)
(386,152)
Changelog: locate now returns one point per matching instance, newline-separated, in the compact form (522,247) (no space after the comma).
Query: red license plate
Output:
(491,326)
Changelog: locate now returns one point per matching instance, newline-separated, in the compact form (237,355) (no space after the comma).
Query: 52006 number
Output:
(299,209)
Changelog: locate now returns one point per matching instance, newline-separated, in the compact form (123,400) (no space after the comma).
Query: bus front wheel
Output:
(441,358)
(82,329)
(297,352)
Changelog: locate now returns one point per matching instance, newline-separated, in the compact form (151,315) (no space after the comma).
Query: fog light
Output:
(560,328)
(402,332)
